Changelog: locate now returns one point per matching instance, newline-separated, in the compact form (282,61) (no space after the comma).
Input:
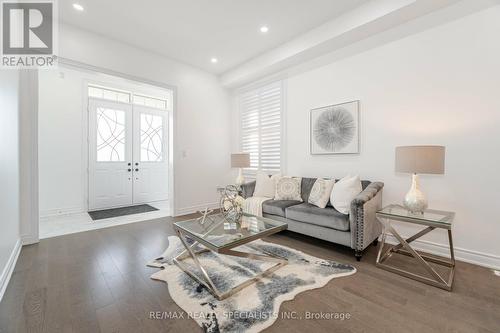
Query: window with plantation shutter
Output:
(260,131)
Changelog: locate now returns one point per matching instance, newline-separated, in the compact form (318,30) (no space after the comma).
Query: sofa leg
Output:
(358,254)
(375,242)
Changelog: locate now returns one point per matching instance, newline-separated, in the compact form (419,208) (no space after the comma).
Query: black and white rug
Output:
(257,306)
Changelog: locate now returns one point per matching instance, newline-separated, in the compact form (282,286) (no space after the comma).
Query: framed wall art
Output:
(335,129)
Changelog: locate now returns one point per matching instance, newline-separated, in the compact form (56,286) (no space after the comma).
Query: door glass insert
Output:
(151,138)
(111,94)
(110,135)
(150,101)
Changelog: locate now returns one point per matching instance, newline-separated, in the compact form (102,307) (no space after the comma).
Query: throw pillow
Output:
(320,192)
(265,185)
(288,188)
(344,192)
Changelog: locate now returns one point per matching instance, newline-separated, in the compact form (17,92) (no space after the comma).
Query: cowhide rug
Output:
(254,308)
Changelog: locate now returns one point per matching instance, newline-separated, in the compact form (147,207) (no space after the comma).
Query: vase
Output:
(415,200)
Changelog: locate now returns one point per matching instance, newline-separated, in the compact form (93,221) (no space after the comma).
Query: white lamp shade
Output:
(420,159)
(240,160)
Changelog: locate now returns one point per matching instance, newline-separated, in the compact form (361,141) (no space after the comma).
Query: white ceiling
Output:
(194,31)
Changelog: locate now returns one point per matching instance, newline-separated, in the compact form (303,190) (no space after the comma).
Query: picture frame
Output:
(334,129)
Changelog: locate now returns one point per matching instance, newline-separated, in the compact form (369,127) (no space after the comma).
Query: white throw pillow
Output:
(344,191)
(288,188)
(320,192)
(265,185)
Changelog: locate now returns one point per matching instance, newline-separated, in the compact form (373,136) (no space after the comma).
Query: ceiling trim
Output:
(369,20)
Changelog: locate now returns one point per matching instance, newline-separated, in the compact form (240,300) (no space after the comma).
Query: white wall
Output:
(9,173)
(61,142)
(202,143)
(440,87)
(436,87)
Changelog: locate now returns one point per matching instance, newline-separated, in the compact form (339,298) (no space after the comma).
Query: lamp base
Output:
(415,200)
(240,179)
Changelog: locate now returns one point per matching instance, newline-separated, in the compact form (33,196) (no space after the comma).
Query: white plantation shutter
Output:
(260,131)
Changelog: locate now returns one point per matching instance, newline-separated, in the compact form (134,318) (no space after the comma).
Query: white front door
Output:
(110,154)
(150,154)
(128,154)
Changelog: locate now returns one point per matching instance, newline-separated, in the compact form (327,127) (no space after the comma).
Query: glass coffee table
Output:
(213,234)
(431,219)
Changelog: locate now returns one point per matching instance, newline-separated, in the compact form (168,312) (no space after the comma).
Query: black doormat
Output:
(122,211)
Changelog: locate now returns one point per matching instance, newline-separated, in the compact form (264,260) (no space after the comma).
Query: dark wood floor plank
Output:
(110,320)
(97,281)
(12,303)
(34,309)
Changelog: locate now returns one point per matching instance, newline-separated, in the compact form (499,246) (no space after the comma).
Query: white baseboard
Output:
(194,209)
(60,211)
(9,268)
(469,256)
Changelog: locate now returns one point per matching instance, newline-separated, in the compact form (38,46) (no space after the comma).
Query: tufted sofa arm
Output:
(365,228)
(247,189)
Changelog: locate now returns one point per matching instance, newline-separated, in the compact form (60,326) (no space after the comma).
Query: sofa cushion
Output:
(344,191)
(265,185)
(277,207)
(306,186)
(288,188)
(320,192)
(364,184)
(326,217)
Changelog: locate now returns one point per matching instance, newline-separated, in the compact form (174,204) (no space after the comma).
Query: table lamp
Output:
(240,161)
(417,160)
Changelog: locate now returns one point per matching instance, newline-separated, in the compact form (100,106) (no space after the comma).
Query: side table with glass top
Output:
(431,219)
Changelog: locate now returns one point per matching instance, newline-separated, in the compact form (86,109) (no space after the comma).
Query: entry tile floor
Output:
(59,225)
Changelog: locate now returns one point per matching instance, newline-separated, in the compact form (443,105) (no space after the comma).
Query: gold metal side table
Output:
(432,219)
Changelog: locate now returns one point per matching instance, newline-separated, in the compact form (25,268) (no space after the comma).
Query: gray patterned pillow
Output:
(288,188)
(320,192)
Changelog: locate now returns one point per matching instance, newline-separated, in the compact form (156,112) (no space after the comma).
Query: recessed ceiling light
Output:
(78,7)
(214,60)
(264,29)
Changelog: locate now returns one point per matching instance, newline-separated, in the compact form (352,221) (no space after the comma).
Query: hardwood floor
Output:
(97,281)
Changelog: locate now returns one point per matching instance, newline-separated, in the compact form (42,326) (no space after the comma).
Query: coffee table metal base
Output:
(205,279)
(404,248)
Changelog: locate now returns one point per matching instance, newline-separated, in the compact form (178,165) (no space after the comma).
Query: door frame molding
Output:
(28,157)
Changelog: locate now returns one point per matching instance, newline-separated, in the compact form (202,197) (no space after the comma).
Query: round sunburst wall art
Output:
(334,129)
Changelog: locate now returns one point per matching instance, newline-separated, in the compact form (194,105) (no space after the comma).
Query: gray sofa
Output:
(357,230)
